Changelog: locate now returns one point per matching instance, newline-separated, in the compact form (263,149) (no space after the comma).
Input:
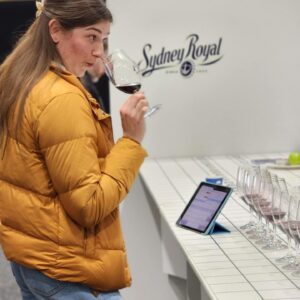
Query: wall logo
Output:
(193,58)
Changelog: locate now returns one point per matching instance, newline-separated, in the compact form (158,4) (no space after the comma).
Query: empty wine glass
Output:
(282,184)
(125,75)
(241,181)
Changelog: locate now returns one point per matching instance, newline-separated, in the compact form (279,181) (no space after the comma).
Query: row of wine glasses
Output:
(272,208)
(262,193)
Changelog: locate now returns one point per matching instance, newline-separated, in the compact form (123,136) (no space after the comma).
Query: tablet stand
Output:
(218,228)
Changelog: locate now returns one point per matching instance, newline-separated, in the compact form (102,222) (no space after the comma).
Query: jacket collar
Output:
(72,79)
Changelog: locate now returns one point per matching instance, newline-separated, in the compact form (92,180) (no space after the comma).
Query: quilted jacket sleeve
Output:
(67,137)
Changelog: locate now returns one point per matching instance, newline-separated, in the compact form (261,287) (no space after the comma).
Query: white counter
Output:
(228,265)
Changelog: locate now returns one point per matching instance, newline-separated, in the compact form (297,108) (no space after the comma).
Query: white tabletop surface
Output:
(230,266)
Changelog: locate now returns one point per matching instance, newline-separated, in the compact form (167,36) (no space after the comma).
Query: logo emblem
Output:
(194,56)
(187,68)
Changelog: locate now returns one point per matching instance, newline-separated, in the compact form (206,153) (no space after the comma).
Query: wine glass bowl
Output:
(293,224)
(242,189)
(125,75)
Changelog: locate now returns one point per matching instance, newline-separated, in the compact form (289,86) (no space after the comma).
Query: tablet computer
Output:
(204,207)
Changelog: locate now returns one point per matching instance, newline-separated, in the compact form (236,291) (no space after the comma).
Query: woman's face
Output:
(81,47)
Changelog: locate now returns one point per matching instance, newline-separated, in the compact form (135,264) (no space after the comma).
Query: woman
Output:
(61,176)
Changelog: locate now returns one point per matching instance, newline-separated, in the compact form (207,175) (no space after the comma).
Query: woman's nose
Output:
(98,52)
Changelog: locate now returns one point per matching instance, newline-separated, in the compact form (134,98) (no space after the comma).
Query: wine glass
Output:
(255,198)
(279,210)
(125,75)
(296,227)
(284,226)
(275,214)
(293,224)
(262,205)
(241,181)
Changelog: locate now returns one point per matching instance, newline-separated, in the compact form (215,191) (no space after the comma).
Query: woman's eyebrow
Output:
(96,29)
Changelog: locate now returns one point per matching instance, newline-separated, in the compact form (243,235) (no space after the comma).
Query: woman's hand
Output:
(132,116)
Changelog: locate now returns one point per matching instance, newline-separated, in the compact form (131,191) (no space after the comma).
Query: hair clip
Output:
(39,8)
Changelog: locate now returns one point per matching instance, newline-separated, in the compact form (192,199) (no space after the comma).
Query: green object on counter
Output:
(294,158)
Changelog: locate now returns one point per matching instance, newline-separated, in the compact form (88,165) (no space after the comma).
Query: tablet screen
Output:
(204,206)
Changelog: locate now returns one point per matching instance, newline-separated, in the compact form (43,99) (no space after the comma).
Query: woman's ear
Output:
(55,30)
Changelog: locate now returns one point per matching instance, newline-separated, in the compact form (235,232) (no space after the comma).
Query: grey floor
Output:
(8,288)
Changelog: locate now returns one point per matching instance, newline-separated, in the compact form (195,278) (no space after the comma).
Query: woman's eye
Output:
(92,38)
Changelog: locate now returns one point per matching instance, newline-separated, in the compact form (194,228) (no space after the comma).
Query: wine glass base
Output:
(269,247)
(152,110)
(281,246)
(249,225)
(296,273)
(251,231)
(260,242)
(291,266)
(284,259)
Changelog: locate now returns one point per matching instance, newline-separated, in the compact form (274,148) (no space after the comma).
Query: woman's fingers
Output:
(141,108)
(135,105)
(132,116)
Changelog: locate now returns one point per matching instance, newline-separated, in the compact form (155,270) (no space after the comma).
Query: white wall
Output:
(247,102)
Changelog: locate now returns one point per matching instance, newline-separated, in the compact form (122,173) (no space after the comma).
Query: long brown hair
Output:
(35,51)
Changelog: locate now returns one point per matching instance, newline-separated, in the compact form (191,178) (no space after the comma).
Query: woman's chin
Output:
(80,73)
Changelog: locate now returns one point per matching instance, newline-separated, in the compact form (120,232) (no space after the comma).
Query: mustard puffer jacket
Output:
(61,185)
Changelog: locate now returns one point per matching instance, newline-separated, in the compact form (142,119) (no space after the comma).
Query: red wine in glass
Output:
(125,75)
(129,88)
